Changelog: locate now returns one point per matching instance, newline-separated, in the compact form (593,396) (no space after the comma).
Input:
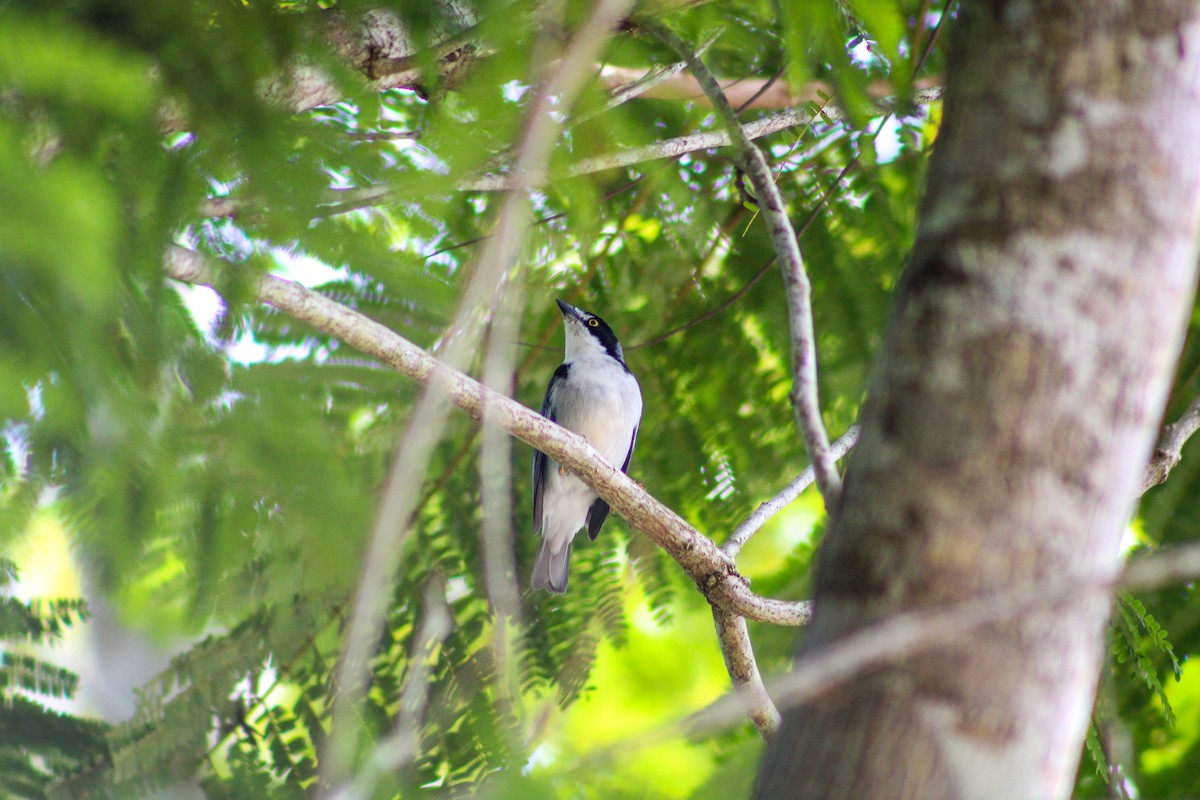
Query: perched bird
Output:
(594,394)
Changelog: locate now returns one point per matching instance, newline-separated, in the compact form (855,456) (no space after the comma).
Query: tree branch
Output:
(750,93)
(743,671)
(733,545)
(895,638)
(378,45)
(1170,446)
(337,201)
(905,635)
(791,264)
(1161,568)
(714,573)
(635,85)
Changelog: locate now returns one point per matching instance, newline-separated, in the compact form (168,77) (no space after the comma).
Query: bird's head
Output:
(587,333)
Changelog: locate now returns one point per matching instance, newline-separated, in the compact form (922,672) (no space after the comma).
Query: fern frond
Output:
(1127,648)
(166,740)
(22,671)
(251,777)
(1096,752)
(576,668)
(314,721)
(19,778)
(650,565)
(17,621)
(608,587)
(19,501)
(30,727)
(1153,630)
(59,614)
(292,756)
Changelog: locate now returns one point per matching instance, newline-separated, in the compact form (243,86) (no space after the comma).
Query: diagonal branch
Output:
(1170,446)
(908,634)
(714,573)
(743,671)
(769,508)
(620,93)
(899,637)
(791,264)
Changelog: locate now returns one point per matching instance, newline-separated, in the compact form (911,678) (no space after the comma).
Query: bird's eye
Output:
(593,322)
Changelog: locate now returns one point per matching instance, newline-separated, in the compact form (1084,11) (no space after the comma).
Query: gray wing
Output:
(540,460)
(599,510)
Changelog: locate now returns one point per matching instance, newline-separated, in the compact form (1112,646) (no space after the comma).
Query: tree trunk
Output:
(1015,402)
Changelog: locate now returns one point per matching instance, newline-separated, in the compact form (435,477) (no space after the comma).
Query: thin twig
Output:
(712,312)
(766,87)
(740,293)
(791,263)
(915,33)
(733,635)
(842,446)
(769,508)
(714,573)
(383,136)
(539,221)
(336,201)
(623,93)
(933,37)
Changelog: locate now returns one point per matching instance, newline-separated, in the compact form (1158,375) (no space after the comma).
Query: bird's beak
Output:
(569,310)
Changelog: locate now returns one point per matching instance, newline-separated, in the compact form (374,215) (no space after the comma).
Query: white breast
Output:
(602,401)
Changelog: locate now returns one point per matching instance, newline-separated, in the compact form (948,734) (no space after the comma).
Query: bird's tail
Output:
(550,570)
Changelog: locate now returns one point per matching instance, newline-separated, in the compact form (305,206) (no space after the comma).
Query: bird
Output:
(594,394)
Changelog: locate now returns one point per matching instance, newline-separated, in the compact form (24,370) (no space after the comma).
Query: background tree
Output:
(338,558)
(1022,378)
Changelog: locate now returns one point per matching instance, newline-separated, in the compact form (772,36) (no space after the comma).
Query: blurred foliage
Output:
(39,744)
(220,476)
